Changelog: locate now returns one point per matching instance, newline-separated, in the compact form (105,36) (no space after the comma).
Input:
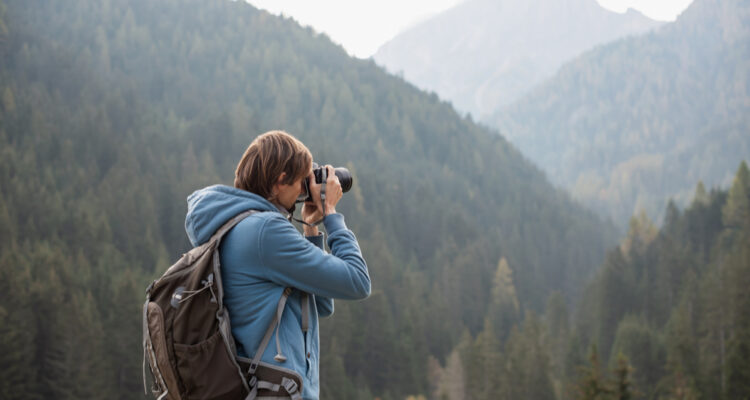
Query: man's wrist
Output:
(330,210)
(311,230)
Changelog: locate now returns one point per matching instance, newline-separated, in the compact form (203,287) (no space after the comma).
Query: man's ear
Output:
(275,187)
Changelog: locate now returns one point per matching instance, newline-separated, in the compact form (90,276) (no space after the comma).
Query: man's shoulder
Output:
(263,222)
(247,237)
(256,220)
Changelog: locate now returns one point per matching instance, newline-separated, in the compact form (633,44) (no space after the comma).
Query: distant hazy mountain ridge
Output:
(628,125)
(483,54)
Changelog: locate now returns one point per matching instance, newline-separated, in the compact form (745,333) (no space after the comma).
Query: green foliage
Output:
(528,362)
(592,384)
(736,212)
(636,341)
(676,304)
(503,311)
(623,385)
(111,113)
(595,384)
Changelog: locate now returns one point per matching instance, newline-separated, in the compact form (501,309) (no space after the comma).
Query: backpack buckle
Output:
(253,367)
(289,385)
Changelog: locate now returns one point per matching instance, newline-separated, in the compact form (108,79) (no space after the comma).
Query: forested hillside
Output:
(675,301)
(633,123)
(666,317)
(113,112)
(485,54)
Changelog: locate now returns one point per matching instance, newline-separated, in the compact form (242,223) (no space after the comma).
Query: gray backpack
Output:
(187,337)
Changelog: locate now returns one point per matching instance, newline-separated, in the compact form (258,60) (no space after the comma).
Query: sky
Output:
(361,27)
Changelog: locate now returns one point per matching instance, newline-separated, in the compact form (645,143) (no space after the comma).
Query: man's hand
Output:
(313,211)
(311,214)
(333,191)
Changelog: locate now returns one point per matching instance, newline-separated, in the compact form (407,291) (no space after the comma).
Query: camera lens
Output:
(345,178)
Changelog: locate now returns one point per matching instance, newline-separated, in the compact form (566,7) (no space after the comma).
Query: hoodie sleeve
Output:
(293,261)
(323,304)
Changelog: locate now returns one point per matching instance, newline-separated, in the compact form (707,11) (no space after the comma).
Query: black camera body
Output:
(320,173)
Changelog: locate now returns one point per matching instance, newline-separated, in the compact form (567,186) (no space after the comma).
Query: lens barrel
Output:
(345,179)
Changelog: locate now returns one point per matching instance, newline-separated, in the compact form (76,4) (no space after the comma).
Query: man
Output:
(264,253)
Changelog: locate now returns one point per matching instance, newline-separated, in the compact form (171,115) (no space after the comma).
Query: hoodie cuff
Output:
(334,222)
(316,240)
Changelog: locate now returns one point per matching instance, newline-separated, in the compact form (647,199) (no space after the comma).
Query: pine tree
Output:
(489,358)
(681,389)
(712,335)
(644,349)
(671,216)
(473,374)
(623,384)
(738,310)
(738,366)
(681,339)
(736,211)
(592,383)
(701,196)
(734,270)
(503,310)
(528,362)
(16,328)
(449,382)
(558,338)
(641,233)
(614,296)
(334,383)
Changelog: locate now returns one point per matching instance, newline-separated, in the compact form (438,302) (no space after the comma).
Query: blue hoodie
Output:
(265,253)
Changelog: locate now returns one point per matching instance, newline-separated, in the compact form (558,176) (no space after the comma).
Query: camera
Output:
(345,178)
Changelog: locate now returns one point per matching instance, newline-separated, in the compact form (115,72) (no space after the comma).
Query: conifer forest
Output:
(488,281)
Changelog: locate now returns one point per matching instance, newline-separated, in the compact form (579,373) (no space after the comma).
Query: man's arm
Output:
(295,262)
(324,305)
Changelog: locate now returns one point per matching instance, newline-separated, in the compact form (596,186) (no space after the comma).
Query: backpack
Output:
(187,336)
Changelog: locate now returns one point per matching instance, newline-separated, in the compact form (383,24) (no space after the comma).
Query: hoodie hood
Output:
(211,207)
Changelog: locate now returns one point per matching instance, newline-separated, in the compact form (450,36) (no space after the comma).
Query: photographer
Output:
(264,253)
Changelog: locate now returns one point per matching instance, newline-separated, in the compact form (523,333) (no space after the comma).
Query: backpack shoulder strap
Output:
(231,223)
(223,318)
(217,238)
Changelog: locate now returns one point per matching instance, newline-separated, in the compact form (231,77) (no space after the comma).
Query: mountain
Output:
(113,112)
(630,124)
(484,54)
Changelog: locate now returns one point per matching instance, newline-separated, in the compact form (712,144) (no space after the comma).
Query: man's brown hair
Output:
(266,158)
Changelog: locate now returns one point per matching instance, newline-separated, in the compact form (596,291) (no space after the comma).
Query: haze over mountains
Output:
(483,54)
(628,125)
(624,126)
(113,112)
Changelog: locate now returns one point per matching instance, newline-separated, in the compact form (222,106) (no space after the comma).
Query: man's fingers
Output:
(331,174)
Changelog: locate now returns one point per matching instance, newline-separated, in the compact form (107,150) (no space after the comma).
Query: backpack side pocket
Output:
(157,334)
(207,370)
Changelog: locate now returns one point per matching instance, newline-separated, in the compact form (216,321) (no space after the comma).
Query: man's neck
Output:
(285,212)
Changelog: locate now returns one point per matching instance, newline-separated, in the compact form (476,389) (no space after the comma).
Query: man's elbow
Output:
(359,281)
(326,311)
(362,290)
